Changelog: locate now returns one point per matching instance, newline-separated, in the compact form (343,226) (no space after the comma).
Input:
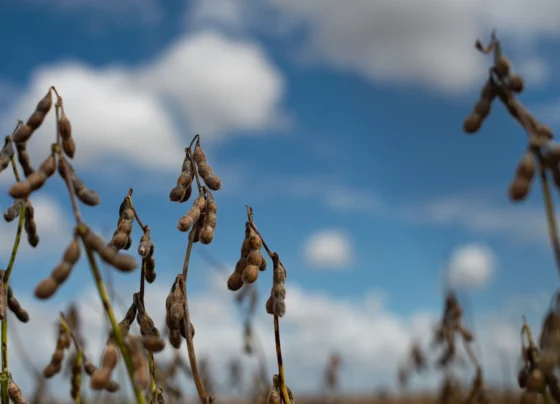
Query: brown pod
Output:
(69,147)
(46,288)
(489,91)
(519,189)
(235,282)
(515,83)
(526,166)
(482,107)
(250,274)
(15,307)
(45,104)
(61,272)
(153,343)
(20,190)
(146,245)
(183,189)
(65,127)
(503,66)
(149,269)
(278,291)
(269,305)
(51,370)
(100,379)
(112,386)
(72,253)
(35,120)
(536,381)
(273,397)
(24,159)
(125,263)
(186,195)
(472,123)
(30,225)
(7,153)
(198,154)
(15,394)
(15,210)
(263,265)
(110,357)
(23,134)
(206,235)
(254,258)
(545,131)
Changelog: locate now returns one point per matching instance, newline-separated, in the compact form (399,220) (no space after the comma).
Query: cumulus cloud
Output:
(221,84)
(404,41)
(471,266)
(131,116)
(329,249)
(477,214)
(112,118)
(370,337)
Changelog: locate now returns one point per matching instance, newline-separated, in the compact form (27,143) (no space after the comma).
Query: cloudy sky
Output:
(338,122)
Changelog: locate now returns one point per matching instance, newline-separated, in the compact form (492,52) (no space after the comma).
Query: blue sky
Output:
(344,134)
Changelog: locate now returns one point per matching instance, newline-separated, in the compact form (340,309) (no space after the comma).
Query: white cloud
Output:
(471,266)
(329,249)
(221,84)
(370,337)
(404,41)
(112,118)
(534,70)
(478,214)
(130,116)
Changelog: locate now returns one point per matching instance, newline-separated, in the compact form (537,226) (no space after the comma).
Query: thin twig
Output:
(281,376)
(204,396)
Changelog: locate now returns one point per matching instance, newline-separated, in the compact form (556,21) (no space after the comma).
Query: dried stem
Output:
(281,376)
(527,120)
(204,396)
(4,380)
(82,229)
(129,197)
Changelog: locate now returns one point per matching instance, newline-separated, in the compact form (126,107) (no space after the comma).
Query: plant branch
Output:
(281,375)
(204,396)
(82,229)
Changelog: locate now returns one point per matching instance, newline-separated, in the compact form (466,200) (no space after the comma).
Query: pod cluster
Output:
(146,250)
(506,81)
(175,316)
(250,262)
(122,239)
(183,190)
(201,217)
(63,342)
(451,324)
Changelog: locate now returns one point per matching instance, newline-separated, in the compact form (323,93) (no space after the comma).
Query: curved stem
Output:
(281,376)
(5,280)
(204,396)
(112,319)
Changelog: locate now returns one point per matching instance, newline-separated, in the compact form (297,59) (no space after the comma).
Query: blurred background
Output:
(340,123)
